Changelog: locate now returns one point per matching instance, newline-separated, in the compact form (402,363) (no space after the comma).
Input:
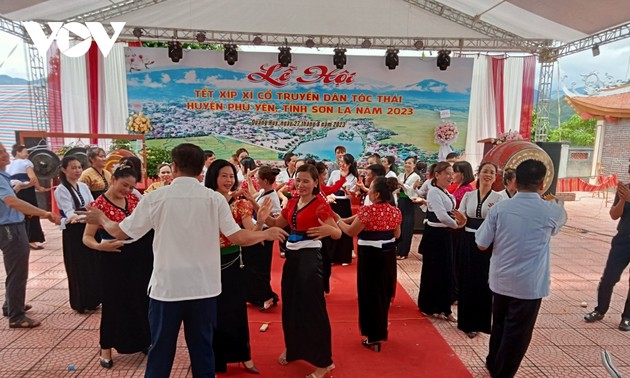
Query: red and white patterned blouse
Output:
(379,217)
(241,208)
(307,216)
(113,212)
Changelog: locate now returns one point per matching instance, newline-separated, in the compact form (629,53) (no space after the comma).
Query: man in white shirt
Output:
(186,279)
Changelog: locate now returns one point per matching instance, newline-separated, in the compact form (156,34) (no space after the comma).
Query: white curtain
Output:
(74,98)
(513,93)
(113,110)
(481,117)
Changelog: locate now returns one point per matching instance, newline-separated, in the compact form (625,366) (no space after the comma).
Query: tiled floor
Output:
(563,345)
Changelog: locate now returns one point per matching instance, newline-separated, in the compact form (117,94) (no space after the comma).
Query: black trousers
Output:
(513,322)
(618,260)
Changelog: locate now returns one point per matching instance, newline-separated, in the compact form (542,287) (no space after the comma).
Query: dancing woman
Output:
(378,226)
(21,169)
(436,246)
(83,265)
(126,273)
(231,337)
(257,258)
(474,309)
(305,322)
(407,181)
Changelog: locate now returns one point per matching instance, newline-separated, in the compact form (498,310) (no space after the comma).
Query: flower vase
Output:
(445,149)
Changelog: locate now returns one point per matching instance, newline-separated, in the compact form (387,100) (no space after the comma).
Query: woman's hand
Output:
(331,198)
(459,217)
(320,232)
(112,245)
(263,211)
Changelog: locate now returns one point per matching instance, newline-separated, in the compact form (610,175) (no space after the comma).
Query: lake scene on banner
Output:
(307,108)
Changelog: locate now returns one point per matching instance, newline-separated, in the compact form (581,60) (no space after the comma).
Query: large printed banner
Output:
(307,108)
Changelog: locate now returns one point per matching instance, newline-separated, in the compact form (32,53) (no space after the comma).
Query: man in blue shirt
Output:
(15,248)
(618,259)
(519,277)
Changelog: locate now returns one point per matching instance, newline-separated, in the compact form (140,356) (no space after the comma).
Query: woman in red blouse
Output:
(126,275)
(231,336)
(378,226)
(305,320)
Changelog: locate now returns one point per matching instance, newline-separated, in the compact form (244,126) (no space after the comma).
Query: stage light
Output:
(418,44)
(175,51)
(137,32)
(444,59)
(284,56)
(366,44)
(257,41)
(310,43)
(339,59)
(201,37)
(230,54)
(595,50)
(391,58)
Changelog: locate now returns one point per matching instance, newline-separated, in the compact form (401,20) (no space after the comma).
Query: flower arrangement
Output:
(446,132)
(139,123)
(508,136)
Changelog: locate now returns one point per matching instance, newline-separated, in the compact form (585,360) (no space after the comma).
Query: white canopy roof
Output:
(557,20)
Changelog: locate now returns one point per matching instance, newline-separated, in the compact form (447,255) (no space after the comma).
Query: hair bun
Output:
(275,171)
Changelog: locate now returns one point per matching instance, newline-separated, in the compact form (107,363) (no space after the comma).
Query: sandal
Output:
(26,322)
(27,307)
(282,360)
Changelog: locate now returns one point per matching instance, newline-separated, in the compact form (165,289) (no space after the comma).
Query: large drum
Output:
(113,158)
(512,153)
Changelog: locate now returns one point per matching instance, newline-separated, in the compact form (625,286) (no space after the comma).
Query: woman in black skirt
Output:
(378,226)
(408,181)
(342,248)
(305,322)
(474,310)
(83,264)
(126,272)
(26,182)
(258,257)
(436,246)
(231,337)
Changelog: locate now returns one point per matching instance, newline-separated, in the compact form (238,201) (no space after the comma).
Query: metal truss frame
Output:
(275,39)
(476,24)
(543,106)
(114,10)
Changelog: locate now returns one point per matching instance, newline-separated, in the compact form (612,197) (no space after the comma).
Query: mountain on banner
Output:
(8,80)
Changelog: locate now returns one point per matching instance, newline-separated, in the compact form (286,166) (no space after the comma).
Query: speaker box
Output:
(554,150)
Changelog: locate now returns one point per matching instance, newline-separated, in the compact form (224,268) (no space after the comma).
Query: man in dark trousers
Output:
(519,277)
(15,248)
(618,259)
(186,279)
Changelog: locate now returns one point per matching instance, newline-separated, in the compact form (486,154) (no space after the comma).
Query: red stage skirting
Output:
(415,348)
(576,184)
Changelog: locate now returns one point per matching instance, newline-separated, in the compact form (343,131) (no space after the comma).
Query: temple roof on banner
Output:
(560,21)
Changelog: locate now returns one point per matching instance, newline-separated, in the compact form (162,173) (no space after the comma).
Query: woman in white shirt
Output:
(474,308)
(22,173)
(83,265)
(342,248)
(257,258)
(407,180)
(436,246)
(389,162)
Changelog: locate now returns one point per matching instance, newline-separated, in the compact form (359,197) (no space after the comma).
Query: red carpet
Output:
(415,348)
